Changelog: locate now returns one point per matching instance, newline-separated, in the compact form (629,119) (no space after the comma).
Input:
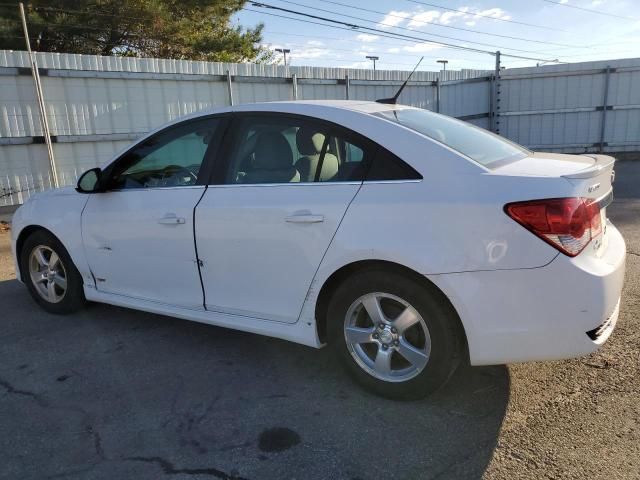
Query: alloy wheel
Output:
(48,274)
(387,337)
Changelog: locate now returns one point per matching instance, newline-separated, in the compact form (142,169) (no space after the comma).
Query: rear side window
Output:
(387,166)
(281,149)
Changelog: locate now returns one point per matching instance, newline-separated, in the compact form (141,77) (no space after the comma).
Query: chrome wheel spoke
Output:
(411,354)
(60,281)
(40,278)
(51,290)
(40,258)
(408,318)
(357,335)
(383,361)
(53,260)
(371,304)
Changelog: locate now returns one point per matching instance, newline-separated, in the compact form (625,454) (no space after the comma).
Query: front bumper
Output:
(547,313)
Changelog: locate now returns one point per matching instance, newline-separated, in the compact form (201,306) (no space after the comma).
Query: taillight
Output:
(568,224)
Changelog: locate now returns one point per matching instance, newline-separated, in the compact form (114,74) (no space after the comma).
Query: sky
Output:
(544,30)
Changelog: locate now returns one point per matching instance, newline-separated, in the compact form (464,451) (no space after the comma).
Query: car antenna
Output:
(393,100)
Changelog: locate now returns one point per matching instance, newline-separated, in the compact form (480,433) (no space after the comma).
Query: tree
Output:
(180,29)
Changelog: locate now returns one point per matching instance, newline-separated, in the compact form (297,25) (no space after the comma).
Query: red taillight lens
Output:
(568,224)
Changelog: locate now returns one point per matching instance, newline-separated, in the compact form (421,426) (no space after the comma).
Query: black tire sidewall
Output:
(435,311)
(74,297)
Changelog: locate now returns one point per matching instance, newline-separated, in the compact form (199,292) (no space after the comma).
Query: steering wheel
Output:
(172,171)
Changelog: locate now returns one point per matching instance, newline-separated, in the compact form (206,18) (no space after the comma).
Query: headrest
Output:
(309,141)
(272,151)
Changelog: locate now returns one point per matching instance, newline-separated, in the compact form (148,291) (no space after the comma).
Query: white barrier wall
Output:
(97,105)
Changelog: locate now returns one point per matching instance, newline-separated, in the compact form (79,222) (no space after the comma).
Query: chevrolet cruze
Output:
(405,240)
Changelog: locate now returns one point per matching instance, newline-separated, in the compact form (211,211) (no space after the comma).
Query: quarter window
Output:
(172,158)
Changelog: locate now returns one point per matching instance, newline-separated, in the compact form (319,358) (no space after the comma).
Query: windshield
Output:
(476,143)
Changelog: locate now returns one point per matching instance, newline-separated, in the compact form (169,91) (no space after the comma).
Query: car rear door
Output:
(138,234)
(273,207)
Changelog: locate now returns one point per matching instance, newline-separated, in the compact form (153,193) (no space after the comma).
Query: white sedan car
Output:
(406,240)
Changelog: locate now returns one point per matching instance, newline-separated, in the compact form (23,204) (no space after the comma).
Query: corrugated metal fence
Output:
(97,105)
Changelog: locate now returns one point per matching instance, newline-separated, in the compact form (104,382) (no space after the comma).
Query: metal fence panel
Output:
(97,105)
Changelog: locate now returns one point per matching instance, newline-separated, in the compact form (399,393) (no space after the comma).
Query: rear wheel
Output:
(396,337)
(51,277)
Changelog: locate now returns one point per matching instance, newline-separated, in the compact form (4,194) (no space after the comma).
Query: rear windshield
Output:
(476,143)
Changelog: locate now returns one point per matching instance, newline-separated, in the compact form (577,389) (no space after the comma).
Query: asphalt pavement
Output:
(111,393)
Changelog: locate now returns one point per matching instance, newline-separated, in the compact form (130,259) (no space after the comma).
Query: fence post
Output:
(495,97)
(605,105)
(229,87)
(438,95)
(40,100)
(294,81)
(346,86)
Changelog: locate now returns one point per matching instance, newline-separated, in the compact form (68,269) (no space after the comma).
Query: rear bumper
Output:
(565,309)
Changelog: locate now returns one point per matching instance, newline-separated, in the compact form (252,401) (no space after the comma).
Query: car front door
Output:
(276,202)
(138,234)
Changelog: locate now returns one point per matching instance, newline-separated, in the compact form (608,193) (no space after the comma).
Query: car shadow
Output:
(115,393)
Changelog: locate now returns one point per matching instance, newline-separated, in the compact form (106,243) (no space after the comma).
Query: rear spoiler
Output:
(603,162)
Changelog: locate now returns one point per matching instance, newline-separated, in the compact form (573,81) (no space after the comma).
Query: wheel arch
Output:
(25,233)
(337,277)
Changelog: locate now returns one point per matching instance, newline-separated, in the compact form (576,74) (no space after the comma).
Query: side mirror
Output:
(89,181)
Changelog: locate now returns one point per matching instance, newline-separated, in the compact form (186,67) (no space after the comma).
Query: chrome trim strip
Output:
(294,184)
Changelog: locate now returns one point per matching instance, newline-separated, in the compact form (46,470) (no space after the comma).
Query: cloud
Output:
(421,47)
(494,13)
(365,37)
(393,50)
(393,19)
(315,43)
(446,17)
(305,53)
(422,18)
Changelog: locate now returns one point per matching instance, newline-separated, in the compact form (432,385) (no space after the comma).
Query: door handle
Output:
(305,218)
(171,219)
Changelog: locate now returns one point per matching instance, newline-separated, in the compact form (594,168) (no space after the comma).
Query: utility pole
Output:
(284,52)
(40,99)
(444,64)
(495,96)
(373,58)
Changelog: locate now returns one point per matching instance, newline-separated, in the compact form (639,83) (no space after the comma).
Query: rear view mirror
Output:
(89,181)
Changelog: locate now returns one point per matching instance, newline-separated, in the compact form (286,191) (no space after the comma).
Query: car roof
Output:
(316,105)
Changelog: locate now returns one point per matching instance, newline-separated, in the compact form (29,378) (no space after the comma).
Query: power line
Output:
(344,39)
(447,26)
(382,33)
(590,10)
(395,26)
(350,50)
(484,16)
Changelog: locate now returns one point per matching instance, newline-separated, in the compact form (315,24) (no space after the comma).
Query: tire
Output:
(60,287)
(413,315)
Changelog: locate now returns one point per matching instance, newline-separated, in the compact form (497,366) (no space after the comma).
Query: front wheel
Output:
(397,337)
(51,277)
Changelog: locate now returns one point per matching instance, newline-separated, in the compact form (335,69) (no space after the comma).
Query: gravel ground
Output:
(112,393)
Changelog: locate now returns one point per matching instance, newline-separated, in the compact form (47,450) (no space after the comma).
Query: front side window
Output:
(172,158)
(476,143)
(293,150)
